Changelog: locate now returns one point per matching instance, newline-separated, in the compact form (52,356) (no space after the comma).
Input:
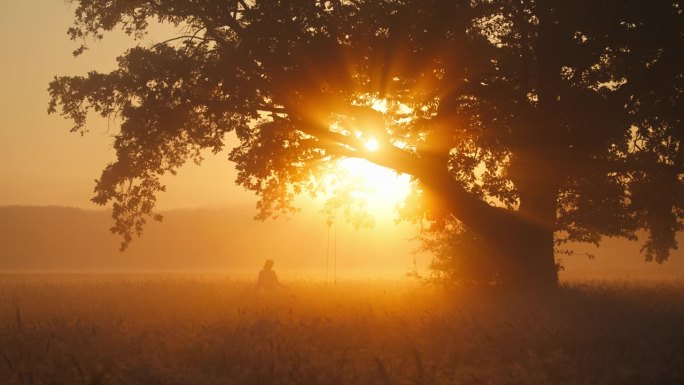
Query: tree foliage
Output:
(562,115)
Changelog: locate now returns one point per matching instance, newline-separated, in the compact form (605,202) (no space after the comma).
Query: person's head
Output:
(268,265)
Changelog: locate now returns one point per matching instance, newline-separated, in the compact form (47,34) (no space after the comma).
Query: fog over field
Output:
(190,329)
(230,240)
(227,239)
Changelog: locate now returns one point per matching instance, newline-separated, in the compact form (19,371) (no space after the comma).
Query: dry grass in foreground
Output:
(214,330)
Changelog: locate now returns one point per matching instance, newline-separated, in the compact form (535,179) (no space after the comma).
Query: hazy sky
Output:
(41,163)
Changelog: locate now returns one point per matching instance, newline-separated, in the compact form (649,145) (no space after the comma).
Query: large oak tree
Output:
(520,121)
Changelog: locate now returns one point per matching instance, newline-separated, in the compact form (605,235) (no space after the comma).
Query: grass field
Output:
(192,329)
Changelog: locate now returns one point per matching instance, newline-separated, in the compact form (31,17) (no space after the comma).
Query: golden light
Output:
(380,187)
(372,144)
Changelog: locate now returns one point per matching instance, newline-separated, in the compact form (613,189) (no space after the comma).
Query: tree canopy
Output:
(560,118)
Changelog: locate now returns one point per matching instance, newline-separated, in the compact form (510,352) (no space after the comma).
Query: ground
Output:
(213,329)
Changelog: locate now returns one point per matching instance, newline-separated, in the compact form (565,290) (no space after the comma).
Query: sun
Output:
(372,144)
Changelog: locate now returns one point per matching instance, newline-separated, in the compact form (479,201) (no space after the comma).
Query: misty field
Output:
(192,329)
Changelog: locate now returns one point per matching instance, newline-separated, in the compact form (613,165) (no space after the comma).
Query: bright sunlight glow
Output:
(381,187)
(372,144)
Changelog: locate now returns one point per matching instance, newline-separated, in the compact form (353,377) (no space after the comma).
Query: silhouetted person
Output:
(268,280)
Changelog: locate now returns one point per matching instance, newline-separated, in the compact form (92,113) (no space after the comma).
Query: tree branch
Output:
(275,110)
(623,166)
(450,197)
(189,37)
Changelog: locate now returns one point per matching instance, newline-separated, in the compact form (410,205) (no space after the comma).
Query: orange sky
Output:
(40,162)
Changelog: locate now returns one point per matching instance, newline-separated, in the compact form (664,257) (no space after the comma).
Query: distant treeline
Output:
(54,237)
(51,237)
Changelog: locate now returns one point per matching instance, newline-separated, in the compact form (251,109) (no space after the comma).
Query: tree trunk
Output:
(524,252)
(529,261)
(527,257)
(532,238)
(522,241)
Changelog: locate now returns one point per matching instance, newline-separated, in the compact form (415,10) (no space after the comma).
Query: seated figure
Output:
(268,280)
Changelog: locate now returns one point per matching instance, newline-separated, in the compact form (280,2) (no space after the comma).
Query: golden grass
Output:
(192,329)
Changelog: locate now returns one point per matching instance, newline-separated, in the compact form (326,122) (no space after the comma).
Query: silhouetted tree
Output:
(518,119)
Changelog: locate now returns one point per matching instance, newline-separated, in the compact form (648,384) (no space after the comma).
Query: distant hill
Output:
(52,237)
(63,238)
(229,238)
